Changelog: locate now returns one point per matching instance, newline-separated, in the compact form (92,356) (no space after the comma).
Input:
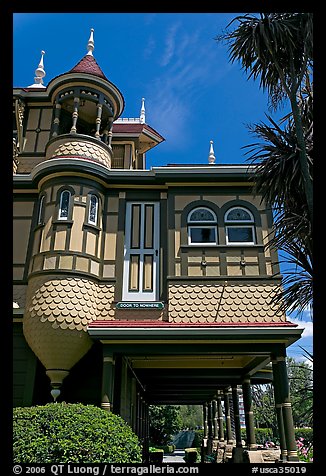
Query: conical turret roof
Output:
(88,65)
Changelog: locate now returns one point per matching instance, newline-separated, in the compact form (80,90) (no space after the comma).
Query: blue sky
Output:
(193,94)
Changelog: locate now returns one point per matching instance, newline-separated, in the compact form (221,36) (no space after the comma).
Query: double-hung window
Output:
(93,210)
(202,227)
(239,227)
(64,205)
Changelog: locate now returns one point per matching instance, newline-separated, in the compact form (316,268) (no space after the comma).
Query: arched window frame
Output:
(90,220)
(194,225)
(232,225)
(61,216)
(40,213)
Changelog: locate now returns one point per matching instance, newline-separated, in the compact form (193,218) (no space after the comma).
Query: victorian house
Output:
(136,286)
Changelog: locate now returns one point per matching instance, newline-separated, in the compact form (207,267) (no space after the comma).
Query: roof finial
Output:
(39,74)
(90,44)
(211,157)
(142,112)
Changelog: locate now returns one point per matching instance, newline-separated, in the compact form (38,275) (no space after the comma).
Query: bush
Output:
(72,433)
(191,455)
(156,455)
(167,448)
(305,433)
(197,441)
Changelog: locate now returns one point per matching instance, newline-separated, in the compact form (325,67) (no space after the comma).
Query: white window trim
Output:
(205,243)
(40,220)
(91,222)
(252,220)
(60,205)
(237,243)
(202,224)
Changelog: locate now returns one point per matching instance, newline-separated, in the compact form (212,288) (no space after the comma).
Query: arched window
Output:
(202,227)
(93,209)
(239,227)
(40,216)
(64,205)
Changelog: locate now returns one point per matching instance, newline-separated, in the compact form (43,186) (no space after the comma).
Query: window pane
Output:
(149,223)
(93,206)
(135,226)
(148,273)
(40,211)
(201,214)
(240,235)
(238,214)
(64,205)
(134,273)
(202,235)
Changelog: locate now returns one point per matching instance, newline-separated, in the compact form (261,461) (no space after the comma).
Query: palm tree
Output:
(279,181)
(277,48)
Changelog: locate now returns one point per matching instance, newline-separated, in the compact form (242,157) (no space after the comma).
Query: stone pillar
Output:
(237,423)
(107,381)
(249,416)
(228,417)
(281,384)
(220,419)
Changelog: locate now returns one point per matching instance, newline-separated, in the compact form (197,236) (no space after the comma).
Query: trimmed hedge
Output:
(167,448)
(191,455)
(72,433)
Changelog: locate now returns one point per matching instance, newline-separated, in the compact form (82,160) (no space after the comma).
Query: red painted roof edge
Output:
(149,323)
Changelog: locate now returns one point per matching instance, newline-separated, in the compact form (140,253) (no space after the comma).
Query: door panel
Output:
(141,257)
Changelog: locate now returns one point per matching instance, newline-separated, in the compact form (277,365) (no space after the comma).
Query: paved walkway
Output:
(175,457)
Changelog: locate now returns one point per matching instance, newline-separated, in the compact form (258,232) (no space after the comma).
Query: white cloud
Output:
(188,67)
(169,45)
(306,325)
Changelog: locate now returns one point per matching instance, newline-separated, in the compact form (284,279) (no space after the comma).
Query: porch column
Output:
(237,423)
(283,397)
(249,416)
(220,419)
(210,428)
(227,417)
(215,422)
(107,380)
(278,409)
(205,418)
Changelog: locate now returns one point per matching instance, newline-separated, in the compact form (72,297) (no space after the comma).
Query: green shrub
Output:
(74,433)
(191,455)
(166,448)
(198,438)
(305,433)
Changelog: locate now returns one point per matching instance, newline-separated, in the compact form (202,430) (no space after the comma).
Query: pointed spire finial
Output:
(39,74)
(142,111)
(90,44)
(211,157)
